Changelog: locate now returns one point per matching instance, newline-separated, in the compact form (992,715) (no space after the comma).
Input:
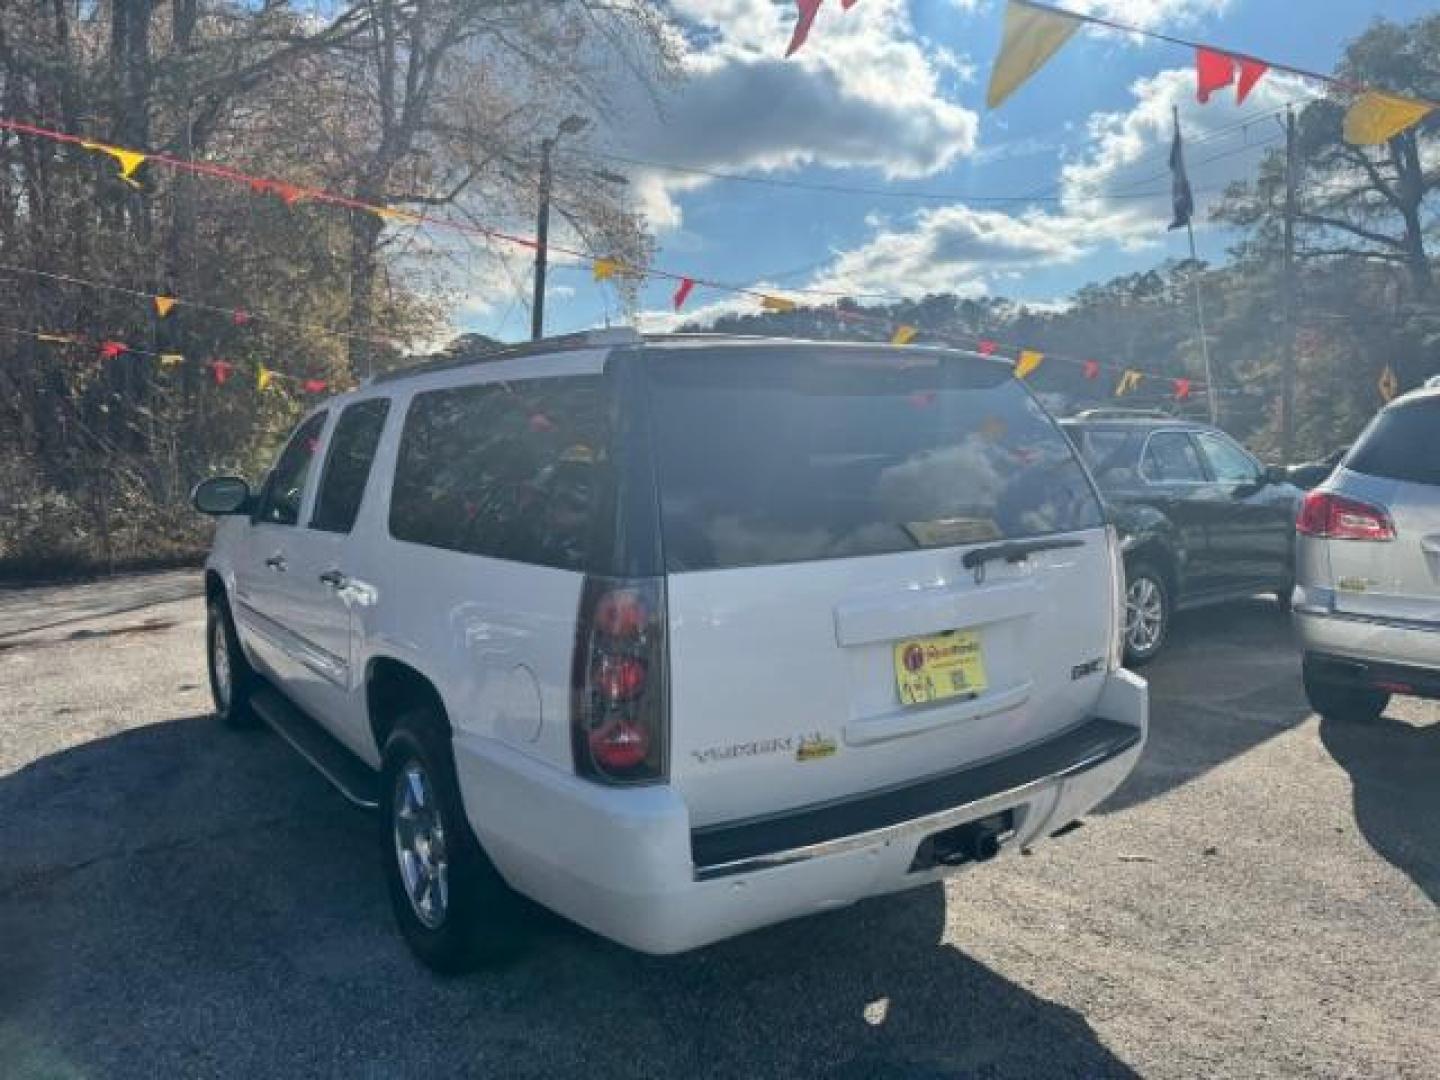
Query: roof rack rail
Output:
(1124,414)
(585,339)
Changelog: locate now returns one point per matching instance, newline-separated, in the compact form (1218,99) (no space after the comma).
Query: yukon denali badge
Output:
(813,747)
(808,747)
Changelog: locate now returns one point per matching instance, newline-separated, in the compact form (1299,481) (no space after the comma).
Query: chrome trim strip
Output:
(1316,612)
(916,827)
(328,666)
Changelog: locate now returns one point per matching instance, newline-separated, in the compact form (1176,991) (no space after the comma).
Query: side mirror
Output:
(1277,474)
(221,495)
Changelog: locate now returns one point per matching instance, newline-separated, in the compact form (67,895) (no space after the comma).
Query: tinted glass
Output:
(1112,454)
(1170,457)
(785,455)
(1403,443)
(285,488)
(347,465)
(510,470)
(1228,463)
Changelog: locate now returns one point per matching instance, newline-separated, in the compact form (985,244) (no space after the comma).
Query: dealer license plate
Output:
(939,666)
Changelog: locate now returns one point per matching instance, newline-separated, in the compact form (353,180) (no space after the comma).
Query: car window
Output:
(285,487)
(511,470)
(1111,454)
(778,454)
(347,465)
(1228,463)
(1402,443)
(1171,457)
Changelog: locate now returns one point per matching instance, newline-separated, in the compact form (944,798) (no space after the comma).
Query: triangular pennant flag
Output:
(1389,385)
(109,350)
(804,20)
(263,377)
(170,359)
(163,304)
(1031,37)
(1090,369)
(605,269)
(314,386)
(220,370)
(289,193)
(389,213)
(1212,70)
(129,160)
(240,316)
(1251,71)
(57,339)
(904,335)
(682,292)
(1182,389)
(1028,362)
(985,348)
(1129,382)
(1376,118)
(777,303)
(848,4)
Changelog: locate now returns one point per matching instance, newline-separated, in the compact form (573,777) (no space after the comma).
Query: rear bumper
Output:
(626,863)
(1367,641)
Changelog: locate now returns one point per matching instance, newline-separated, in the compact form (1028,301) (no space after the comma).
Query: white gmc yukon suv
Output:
(679,636)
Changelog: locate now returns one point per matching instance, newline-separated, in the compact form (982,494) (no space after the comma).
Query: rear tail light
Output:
(1117,598)
(619,712)
(1333,517)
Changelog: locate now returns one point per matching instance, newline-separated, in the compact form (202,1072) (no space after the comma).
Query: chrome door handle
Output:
(276,562)
(1431,545)
(335,579)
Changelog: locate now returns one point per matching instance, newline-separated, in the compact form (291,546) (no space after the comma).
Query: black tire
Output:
(1353,704)
(480,921)
(234,680)
(1138,652)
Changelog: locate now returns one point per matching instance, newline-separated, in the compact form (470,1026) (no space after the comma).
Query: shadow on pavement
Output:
(1394,769)
(181,899)
(1228,680)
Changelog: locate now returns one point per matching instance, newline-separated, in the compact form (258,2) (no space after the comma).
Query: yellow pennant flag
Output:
(1389,384)
(170,359)
(1377,118)
(389,213)
(263,376)
(129,160)
(1129,382)
(163,304)
(1028,362)
(903,335)
(1032,36)
(56,339)
(777,303)
(605,269)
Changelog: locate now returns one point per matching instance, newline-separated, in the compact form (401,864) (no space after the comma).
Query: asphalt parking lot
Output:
(180,900)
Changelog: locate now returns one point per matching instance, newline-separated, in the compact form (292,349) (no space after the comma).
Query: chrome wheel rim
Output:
(220,664)
(420,846)
(1144,615)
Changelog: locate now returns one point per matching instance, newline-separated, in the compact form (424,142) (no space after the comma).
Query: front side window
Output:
(1228,462)
(1111,453)
(347,465)
(511,470)
(285,487)
(1171,458)
(1402,443)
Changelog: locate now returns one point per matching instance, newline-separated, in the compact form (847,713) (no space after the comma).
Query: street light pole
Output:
(571,125)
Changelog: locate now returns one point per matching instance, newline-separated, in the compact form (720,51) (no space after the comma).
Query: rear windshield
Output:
(1403,443)
(787,455)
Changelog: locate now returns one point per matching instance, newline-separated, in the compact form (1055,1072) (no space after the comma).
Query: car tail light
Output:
(619,712)
(1117,598)
(1334,517)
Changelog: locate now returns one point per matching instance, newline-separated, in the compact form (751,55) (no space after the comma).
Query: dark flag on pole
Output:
(1181,196)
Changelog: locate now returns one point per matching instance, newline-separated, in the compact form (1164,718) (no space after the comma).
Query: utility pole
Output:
(1287,378)
(571,125)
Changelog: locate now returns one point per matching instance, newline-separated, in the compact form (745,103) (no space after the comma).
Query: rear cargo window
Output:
(783,455)
(1402,443)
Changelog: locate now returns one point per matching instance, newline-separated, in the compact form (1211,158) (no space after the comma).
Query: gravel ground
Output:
(180,900)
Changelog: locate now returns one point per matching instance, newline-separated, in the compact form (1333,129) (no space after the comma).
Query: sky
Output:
(889,97)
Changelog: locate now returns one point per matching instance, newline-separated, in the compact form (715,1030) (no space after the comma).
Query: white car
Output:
(679,637)
(1367,605)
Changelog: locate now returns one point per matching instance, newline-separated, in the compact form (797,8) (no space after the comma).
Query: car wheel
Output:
(1148,607)
(454,910)
(1350,703)
(231,678)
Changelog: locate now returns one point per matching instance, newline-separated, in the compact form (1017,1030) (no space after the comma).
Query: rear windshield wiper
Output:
(1015,551)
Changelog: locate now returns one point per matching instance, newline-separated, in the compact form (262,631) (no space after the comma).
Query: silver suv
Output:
(1367,602)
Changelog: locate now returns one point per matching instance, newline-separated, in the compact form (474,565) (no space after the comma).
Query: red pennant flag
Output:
(240,317)
(109,350)
(1213,70)
(1250,74)
(314,386)
(220,370)
(986,348)
(806,19)
(1182,389)
(683,292)
(848,4)
(1091,369)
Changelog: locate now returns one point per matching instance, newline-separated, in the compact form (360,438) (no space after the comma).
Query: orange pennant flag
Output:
(1028,362)
(163,304)
(1129,382)
(170,359)
(606,269)
(904,335)
(777,303)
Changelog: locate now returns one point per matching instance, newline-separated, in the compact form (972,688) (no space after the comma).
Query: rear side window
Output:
(1171,457)
(1111,453)
(347,465)
(510,470)
(1228,462)
(1402,443)
(285,487)
(780,455)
